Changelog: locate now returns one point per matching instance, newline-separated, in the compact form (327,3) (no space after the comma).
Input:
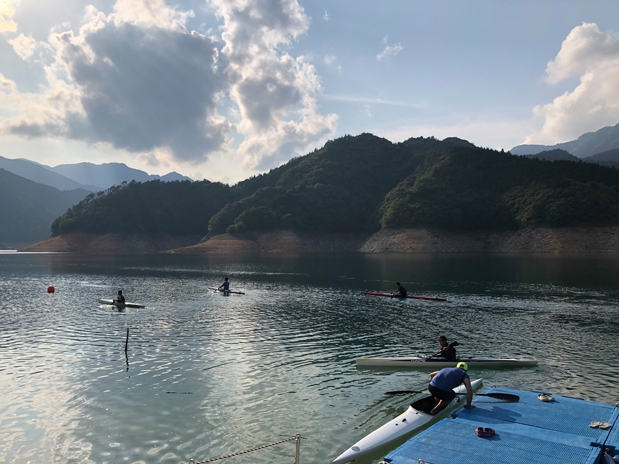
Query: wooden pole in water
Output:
(127,340)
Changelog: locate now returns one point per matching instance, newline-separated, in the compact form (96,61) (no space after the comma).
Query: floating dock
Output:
(527,432)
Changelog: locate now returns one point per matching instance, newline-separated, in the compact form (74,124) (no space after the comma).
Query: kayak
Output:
(416,297)
(226,291)
(420,362)
(121,305)
(414,418)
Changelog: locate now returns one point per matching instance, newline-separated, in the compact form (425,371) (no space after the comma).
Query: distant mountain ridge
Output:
(88,176)
(589,144)
(106,175)
(42,174)
(29,208)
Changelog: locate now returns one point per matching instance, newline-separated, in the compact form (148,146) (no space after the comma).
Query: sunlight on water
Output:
(207,375)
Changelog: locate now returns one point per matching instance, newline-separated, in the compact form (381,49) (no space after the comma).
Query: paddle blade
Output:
(499,396)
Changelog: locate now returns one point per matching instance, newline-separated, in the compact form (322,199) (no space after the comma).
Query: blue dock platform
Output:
(527,432)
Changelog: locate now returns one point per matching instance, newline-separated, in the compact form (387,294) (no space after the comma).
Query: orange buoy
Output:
(51,289)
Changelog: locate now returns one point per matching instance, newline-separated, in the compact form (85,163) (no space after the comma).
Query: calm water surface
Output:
(207,375)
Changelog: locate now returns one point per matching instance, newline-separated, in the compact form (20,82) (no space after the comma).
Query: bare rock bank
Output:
(538,240)
(109,243)
(278,241)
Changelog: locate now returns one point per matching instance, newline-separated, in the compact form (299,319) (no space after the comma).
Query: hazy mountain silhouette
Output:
(108,174)
(554,155)
(28,208)
(42,174)
(584,146)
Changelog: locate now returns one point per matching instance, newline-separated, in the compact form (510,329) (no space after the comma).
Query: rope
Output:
(191,461)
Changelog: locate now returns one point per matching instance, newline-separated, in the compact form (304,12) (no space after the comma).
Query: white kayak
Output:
(121,305)
(421,362)
(414,418)
(236,292)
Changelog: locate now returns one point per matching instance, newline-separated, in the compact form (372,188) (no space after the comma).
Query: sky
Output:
(227,89)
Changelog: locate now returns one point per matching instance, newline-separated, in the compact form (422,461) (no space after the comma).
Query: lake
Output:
(207,375)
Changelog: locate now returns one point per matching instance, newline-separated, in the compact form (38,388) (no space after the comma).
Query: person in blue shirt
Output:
(444,381)
(225,286)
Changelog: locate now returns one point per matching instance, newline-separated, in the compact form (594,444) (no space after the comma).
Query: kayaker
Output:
(448,352)
(120,299)
(444,381)
(400,291)
(225,286)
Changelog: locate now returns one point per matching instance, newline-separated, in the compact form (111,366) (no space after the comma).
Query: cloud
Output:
(277,113)
(7,85)
(390,50)
(594,103)
(7,11)
(138,80)
(24,46)
(135,79)
(326,16)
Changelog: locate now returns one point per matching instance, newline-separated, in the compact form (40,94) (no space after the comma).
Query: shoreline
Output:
(572,240)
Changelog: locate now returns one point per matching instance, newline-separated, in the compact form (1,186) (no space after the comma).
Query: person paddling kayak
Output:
(444,381)
(400,291)
(120,299)
(225,286)
(448,352)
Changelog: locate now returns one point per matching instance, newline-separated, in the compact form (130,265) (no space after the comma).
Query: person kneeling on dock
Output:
(444,381)
(400,291)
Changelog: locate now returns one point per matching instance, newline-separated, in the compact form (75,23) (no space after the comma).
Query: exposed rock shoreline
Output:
(538,240)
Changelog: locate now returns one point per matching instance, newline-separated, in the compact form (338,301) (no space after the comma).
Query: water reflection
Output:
(205,375)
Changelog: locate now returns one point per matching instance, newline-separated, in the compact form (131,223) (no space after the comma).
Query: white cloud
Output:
(326,16)
(278,115)
(135,79)
(389,50)
(7,11)
(329,59)
(594,103)
(24,46)
(7,85)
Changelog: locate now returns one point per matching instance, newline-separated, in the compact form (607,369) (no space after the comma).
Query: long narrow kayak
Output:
(415,417)
(226,291)
(417,297)
(121,305)
(420,362)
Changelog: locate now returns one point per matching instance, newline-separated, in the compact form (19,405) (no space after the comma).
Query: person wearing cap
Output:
(448,352)
(444,381)
(400,291)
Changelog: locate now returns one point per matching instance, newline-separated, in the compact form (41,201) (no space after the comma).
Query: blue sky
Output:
(225,89)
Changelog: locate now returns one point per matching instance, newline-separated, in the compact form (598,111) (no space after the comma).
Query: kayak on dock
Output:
(416,297)
(121,305)
(235,292)
(414,418)
(421,362)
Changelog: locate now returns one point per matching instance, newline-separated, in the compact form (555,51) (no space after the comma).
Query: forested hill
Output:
(362,183)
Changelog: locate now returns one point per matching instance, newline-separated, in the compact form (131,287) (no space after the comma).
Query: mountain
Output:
(28,208)
(361,184)
(150,208)
(108,174)
(586,145)
(554,155)
(606,158)
(42,174)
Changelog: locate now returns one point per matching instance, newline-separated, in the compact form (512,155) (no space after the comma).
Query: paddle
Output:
(499,396)
(451,345)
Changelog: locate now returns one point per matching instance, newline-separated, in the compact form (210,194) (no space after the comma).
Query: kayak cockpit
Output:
(425,404)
